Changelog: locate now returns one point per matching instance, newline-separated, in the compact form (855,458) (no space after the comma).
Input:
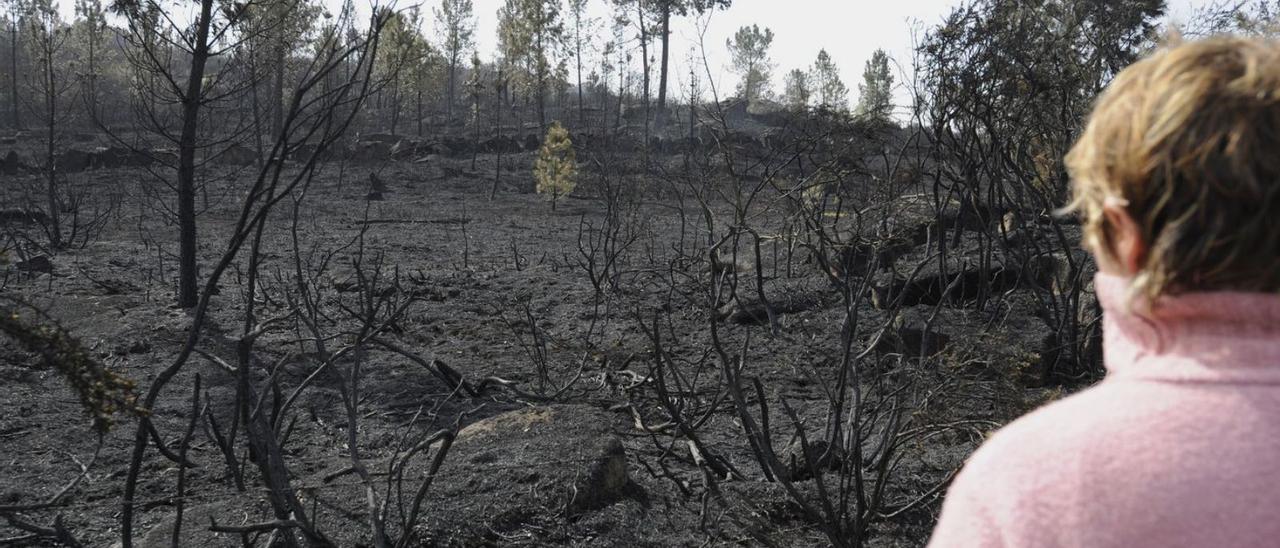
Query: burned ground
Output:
(500,290)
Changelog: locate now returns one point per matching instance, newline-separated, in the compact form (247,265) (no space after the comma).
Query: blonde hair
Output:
(1188,141)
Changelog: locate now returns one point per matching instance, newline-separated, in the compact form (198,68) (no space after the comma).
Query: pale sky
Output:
(850,30)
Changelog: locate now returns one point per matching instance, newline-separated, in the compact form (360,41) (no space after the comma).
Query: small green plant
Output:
(556,169)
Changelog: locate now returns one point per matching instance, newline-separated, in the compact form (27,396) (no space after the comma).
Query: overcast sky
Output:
(850,30)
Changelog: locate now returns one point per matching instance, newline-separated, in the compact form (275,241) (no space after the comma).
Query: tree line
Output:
(549,52)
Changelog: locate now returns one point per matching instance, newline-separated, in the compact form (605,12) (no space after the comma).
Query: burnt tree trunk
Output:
(417,108)
(666,54)
(542,85)
(644,64)
(187,270)
(577,50)
(499,85)
(453,78)
(50,84)
(13,73)
(277,93)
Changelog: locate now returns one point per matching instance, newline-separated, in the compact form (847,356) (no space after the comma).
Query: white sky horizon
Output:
(850,31)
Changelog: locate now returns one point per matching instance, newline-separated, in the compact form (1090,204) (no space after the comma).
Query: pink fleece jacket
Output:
(1178,446)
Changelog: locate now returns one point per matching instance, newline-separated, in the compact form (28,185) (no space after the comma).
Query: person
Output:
(1176,178)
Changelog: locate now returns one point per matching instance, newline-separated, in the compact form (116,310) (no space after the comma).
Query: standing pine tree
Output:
(749,50)
(93,28)
(824,77)
(530,33)
(15,10)
(875,93)
(556,169)
(797,92)
(455,20)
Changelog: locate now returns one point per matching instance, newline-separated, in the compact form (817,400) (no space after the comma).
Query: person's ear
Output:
(1126,238)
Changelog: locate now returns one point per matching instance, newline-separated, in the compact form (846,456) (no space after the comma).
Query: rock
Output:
(110,157)
(913,342)
(383,138)
(73,161)
(503,144)
(22,216)
(457,146)
(656,144)
(582,141)
(507,470)
(408,149)
(1050,272)
(1009,222)
(39,263)
(956,288)
(302,152)
(371,151)
(238,155)
(855,259)
(11,163)
(135,347)
(166,156)
(824,457)
(753,311)
(531,143)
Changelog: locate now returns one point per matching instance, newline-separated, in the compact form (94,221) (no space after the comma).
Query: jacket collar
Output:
(1220,336)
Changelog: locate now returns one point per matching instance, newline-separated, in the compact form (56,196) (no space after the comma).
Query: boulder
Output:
(238,155)
(408,149)
(531,143)
(855,259)
(582,141)
(22,217)
(687,145)
(656,144)
(803,465)
(110,157)
(526,466)
(384,138)
(166,156)
(38,264)
(303,152)
(503,145)
(371,151)
(957,288)
(750,310)
(456,146)
(74,161)
(913,342)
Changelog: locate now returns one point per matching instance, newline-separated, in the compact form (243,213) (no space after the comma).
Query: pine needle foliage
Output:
(556,169)
(102,392)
